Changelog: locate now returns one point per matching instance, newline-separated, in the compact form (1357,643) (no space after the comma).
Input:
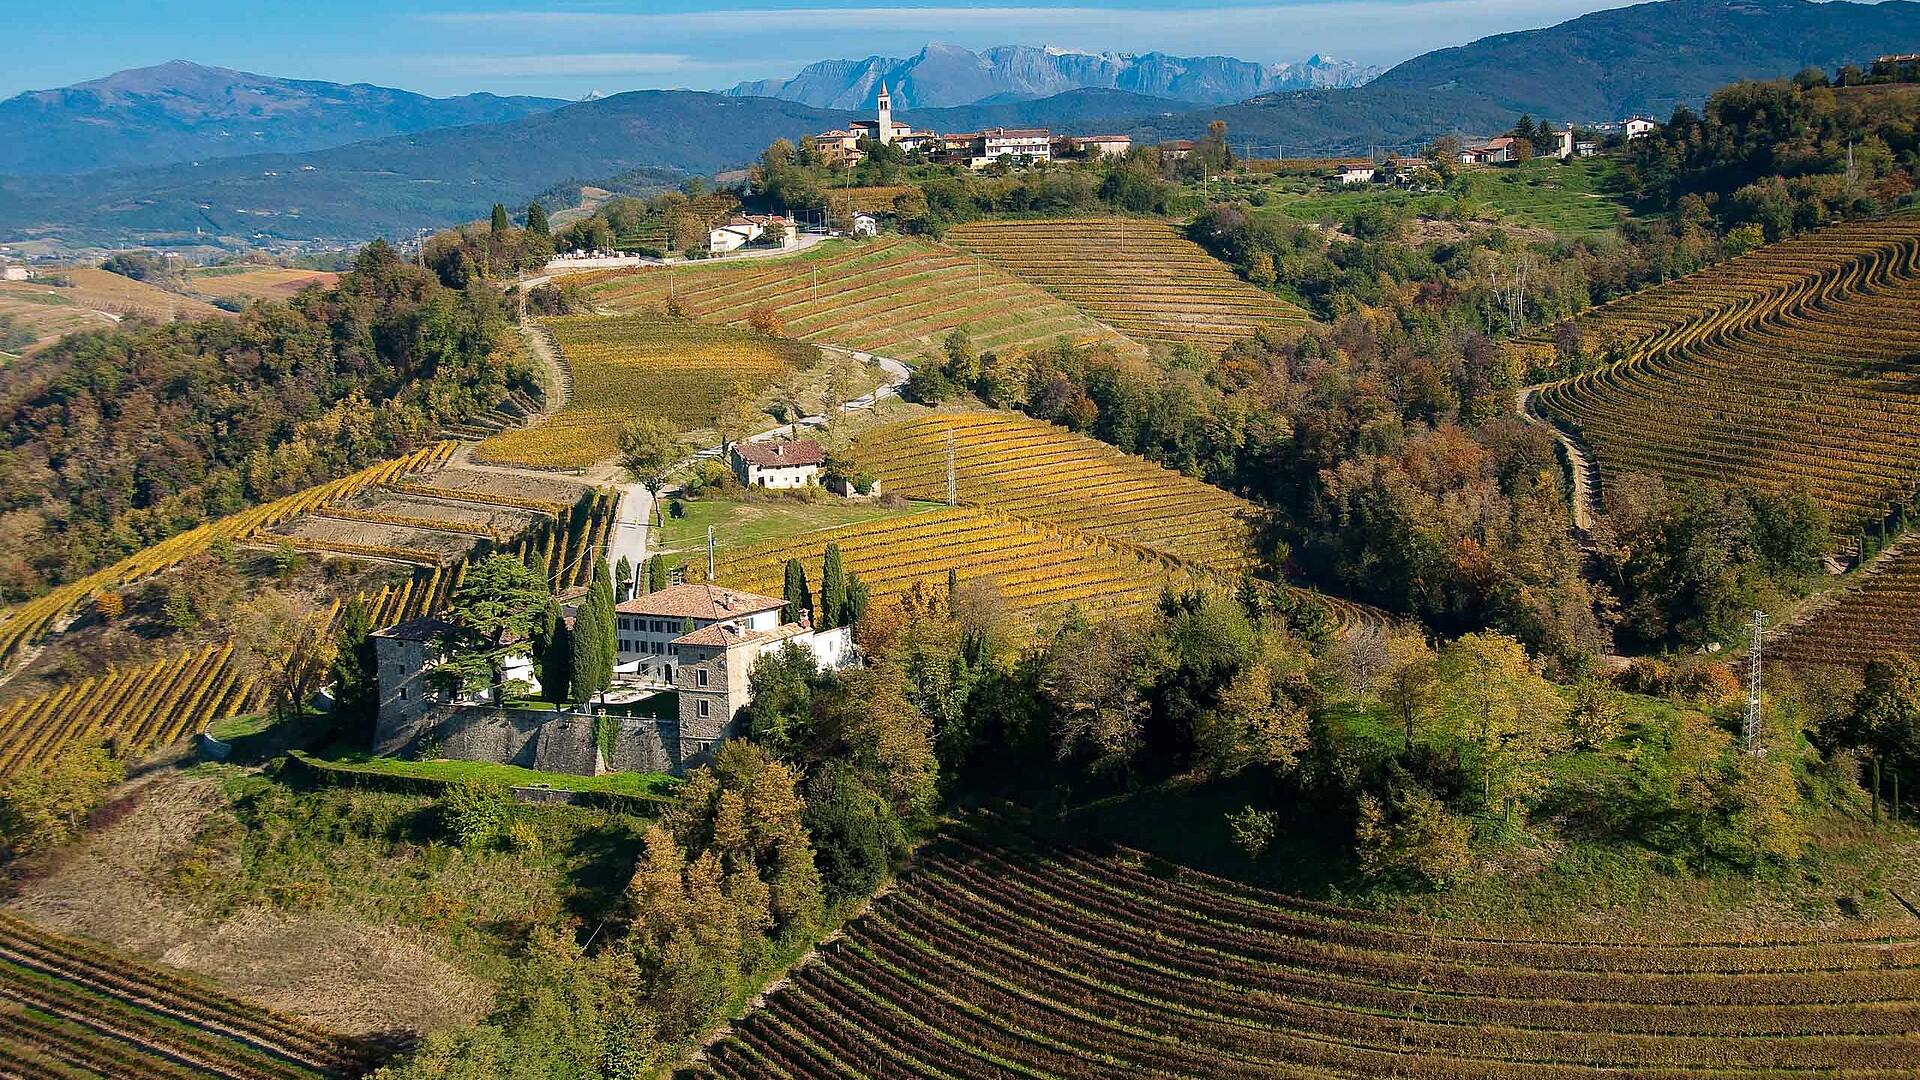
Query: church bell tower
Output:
(885,104)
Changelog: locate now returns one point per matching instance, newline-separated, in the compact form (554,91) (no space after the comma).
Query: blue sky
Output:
(568,49)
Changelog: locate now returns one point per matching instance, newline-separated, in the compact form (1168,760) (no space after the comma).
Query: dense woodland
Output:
(1781,157)
(115,439)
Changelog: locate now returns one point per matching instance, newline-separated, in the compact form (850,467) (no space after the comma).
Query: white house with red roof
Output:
(778,465)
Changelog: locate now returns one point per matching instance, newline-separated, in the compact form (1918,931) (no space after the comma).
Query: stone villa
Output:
(680,682)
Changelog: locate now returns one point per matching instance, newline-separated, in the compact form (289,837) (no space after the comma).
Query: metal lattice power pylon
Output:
(953,488)
(1753,685)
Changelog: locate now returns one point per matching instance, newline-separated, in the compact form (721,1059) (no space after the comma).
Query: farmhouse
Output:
(16,273)
(778,465)
(1356,173)
(1176,149)
(1492,152)
(865,224)
(1093,146)
(744,229)
(1637,126)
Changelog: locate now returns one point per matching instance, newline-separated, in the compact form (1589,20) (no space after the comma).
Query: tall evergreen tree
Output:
(552,652)
(623,579)
(953,584)
(857,600)
(798,597)
(536,560)
(656,573)
(501,222)
(537,219)
(590,649)
(356,678)
(833,590)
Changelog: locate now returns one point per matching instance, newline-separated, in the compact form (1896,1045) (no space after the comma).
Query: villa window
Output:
(701,676)
(706,709)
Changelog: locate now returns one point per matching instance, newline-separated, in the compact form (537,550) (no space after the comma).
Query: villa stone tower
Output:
(885,104)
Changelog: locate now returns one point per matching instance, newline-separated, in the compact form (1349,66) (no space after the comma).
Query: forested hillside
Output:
(116,438)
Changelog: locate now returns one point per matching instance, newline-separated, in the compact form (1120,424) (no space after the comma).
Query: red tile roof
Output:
(781,454)
(698,601)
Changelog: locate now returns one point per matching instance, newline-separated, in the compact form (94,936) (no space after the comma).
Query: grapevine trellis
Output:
(1139,276)
(86,1010)
(625,367)
(1792,366)
(1073,964)
(891,297)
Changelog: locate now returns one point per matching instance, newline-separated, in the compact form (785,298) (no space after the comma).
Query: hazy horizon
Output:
(570,50)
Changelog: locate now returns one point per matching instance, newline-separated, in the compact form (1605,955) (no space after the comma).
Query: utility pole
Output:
(953,491)
(709,553)
(1753,685)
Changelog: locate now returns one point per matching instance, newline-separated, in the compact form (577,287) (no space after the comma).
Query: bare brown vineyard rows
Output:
(893,297)
(990,962)
(1876,617)
(1787,366)
(1139,276)
(109,1013)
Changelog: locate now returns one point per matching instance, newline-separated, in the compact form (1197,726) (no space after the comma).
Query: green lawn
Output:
(486,772)
(743,521)
(1573,199)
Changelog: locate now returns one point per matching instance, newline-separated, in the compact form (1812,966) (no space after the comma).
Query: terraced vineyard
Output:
(1034,469)
(627,366)
(893,297)
(1877,616)
(70,1009)
(21,623)
(1798,363)
(1140,277)
(1039,569)
(145,707)
(986,962)
(1041,472)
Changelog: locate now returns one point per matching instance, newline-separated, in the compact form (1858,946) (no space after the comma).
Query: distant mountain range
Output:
(181,111)
(1642,59)
(947,75)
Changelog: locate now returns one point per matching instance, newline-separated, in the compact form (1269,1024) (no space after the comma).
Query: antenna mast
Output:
(1753,685)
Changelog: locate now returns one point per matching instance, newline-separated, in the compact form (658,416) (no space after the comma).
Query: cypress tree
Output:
(537,219)
(501,222)
(796,593)
(587,649)
(833,590)
(606,650)
(953,585)
(656,573)
(857,599)
(623,579)
(535,561)
(551,652)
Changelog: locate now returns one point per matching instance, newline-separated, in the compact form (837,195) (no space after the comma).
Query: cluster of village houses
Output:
(1402,171)
(841,147)
(686,650)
